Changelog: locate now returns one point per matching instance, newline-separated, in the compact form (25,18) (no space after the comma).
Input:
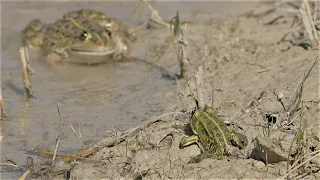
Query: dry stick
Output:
(183,50)
(55,150)
(30,70)
(26,78)
(252,104)
(58,137)
(132,130)
(279,98)
(199,85)
(308,22)
(78,135)
(8,163)
(303,163)
(311,20)
(293,27)
(30,166)
(148,123)
(295,102)
(155,15)
(4,113)
(315,12)
(183,43)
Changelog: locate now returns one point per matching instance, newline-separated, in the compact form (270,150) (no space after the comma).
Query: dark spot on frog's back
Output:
(67,26)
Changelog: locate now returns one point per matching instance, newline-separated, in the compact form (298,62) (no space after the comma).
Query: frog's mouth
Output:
(93,52)
(89,57)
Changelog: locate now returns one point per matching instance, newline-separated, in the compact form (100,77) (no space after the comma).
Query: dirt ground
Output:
(243,60)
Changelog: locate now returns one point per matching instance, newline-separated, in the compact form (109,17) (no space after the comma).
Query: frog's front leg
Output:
(57,55)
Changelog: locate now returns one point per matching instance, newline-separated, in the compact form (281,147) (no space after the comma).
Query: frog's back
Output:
(84,15)
(60,35)
(105,21)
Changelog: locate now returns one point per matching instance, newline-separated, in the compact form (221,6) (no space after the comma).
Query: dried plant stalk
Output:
(309,22)
(155,17)
(25,74)
(3,109)
(297,97)
(30,166)
(183,50)
(199,87)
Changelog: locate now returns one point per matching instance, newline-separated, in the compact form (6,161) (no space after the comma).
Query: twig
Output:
(308,22)
(252,104)
(294,25)
(295,102)
(9,163)
(25,74)
(183,60)
(274,20)
(279,98)
(135,129)
(303,163)
(4,113)
(55,150)
(59,136)
(199,85)
(148,123)
(29,69)
(30,166)
(155,17)
(78,135)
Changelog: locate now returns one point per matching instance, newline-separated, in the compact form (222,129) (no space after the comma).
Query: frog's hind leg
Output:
(32,35)
(205,155)
(199,158)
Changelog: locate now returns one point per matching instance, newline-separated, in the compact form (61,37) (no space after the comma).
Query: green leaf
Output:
(175,25)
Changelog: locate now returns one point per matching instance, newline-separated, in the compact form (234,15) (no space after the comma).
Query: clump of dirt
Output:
(246,71)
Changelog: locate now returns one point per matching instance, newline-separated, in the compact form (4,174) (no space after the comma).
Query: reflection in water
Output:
(24,118)
(1,125)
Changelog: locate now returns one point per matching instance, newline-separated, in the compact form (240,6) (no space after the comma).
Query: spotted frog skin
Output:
(81,32)
(212,135)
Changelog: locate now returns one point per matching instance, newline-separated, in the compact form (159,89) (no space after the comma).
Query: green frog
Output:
(212,136)
(78,33)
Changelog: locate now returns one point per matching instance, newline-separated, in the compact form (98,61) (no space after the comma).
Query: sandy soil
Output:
(242,61)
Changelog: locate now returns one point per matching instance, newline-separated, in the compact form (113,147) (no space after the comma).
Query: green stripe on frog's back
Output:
(214,119)
(209,139)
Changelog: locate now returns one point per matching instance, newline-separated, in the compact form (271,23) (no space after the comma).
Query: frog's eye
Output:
(84,35)
(108,32)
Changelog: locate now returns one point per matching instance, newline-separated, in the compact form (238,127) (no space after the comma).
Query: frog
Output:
(79,32)
(212,136)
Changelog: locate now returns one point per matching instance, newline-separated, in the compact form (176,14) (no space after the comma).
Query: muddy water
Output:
(95,97)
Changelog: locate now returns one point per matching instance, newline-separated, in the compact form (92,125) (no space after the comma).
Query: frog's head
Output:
(93,43)
(91,39)
(239,140)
